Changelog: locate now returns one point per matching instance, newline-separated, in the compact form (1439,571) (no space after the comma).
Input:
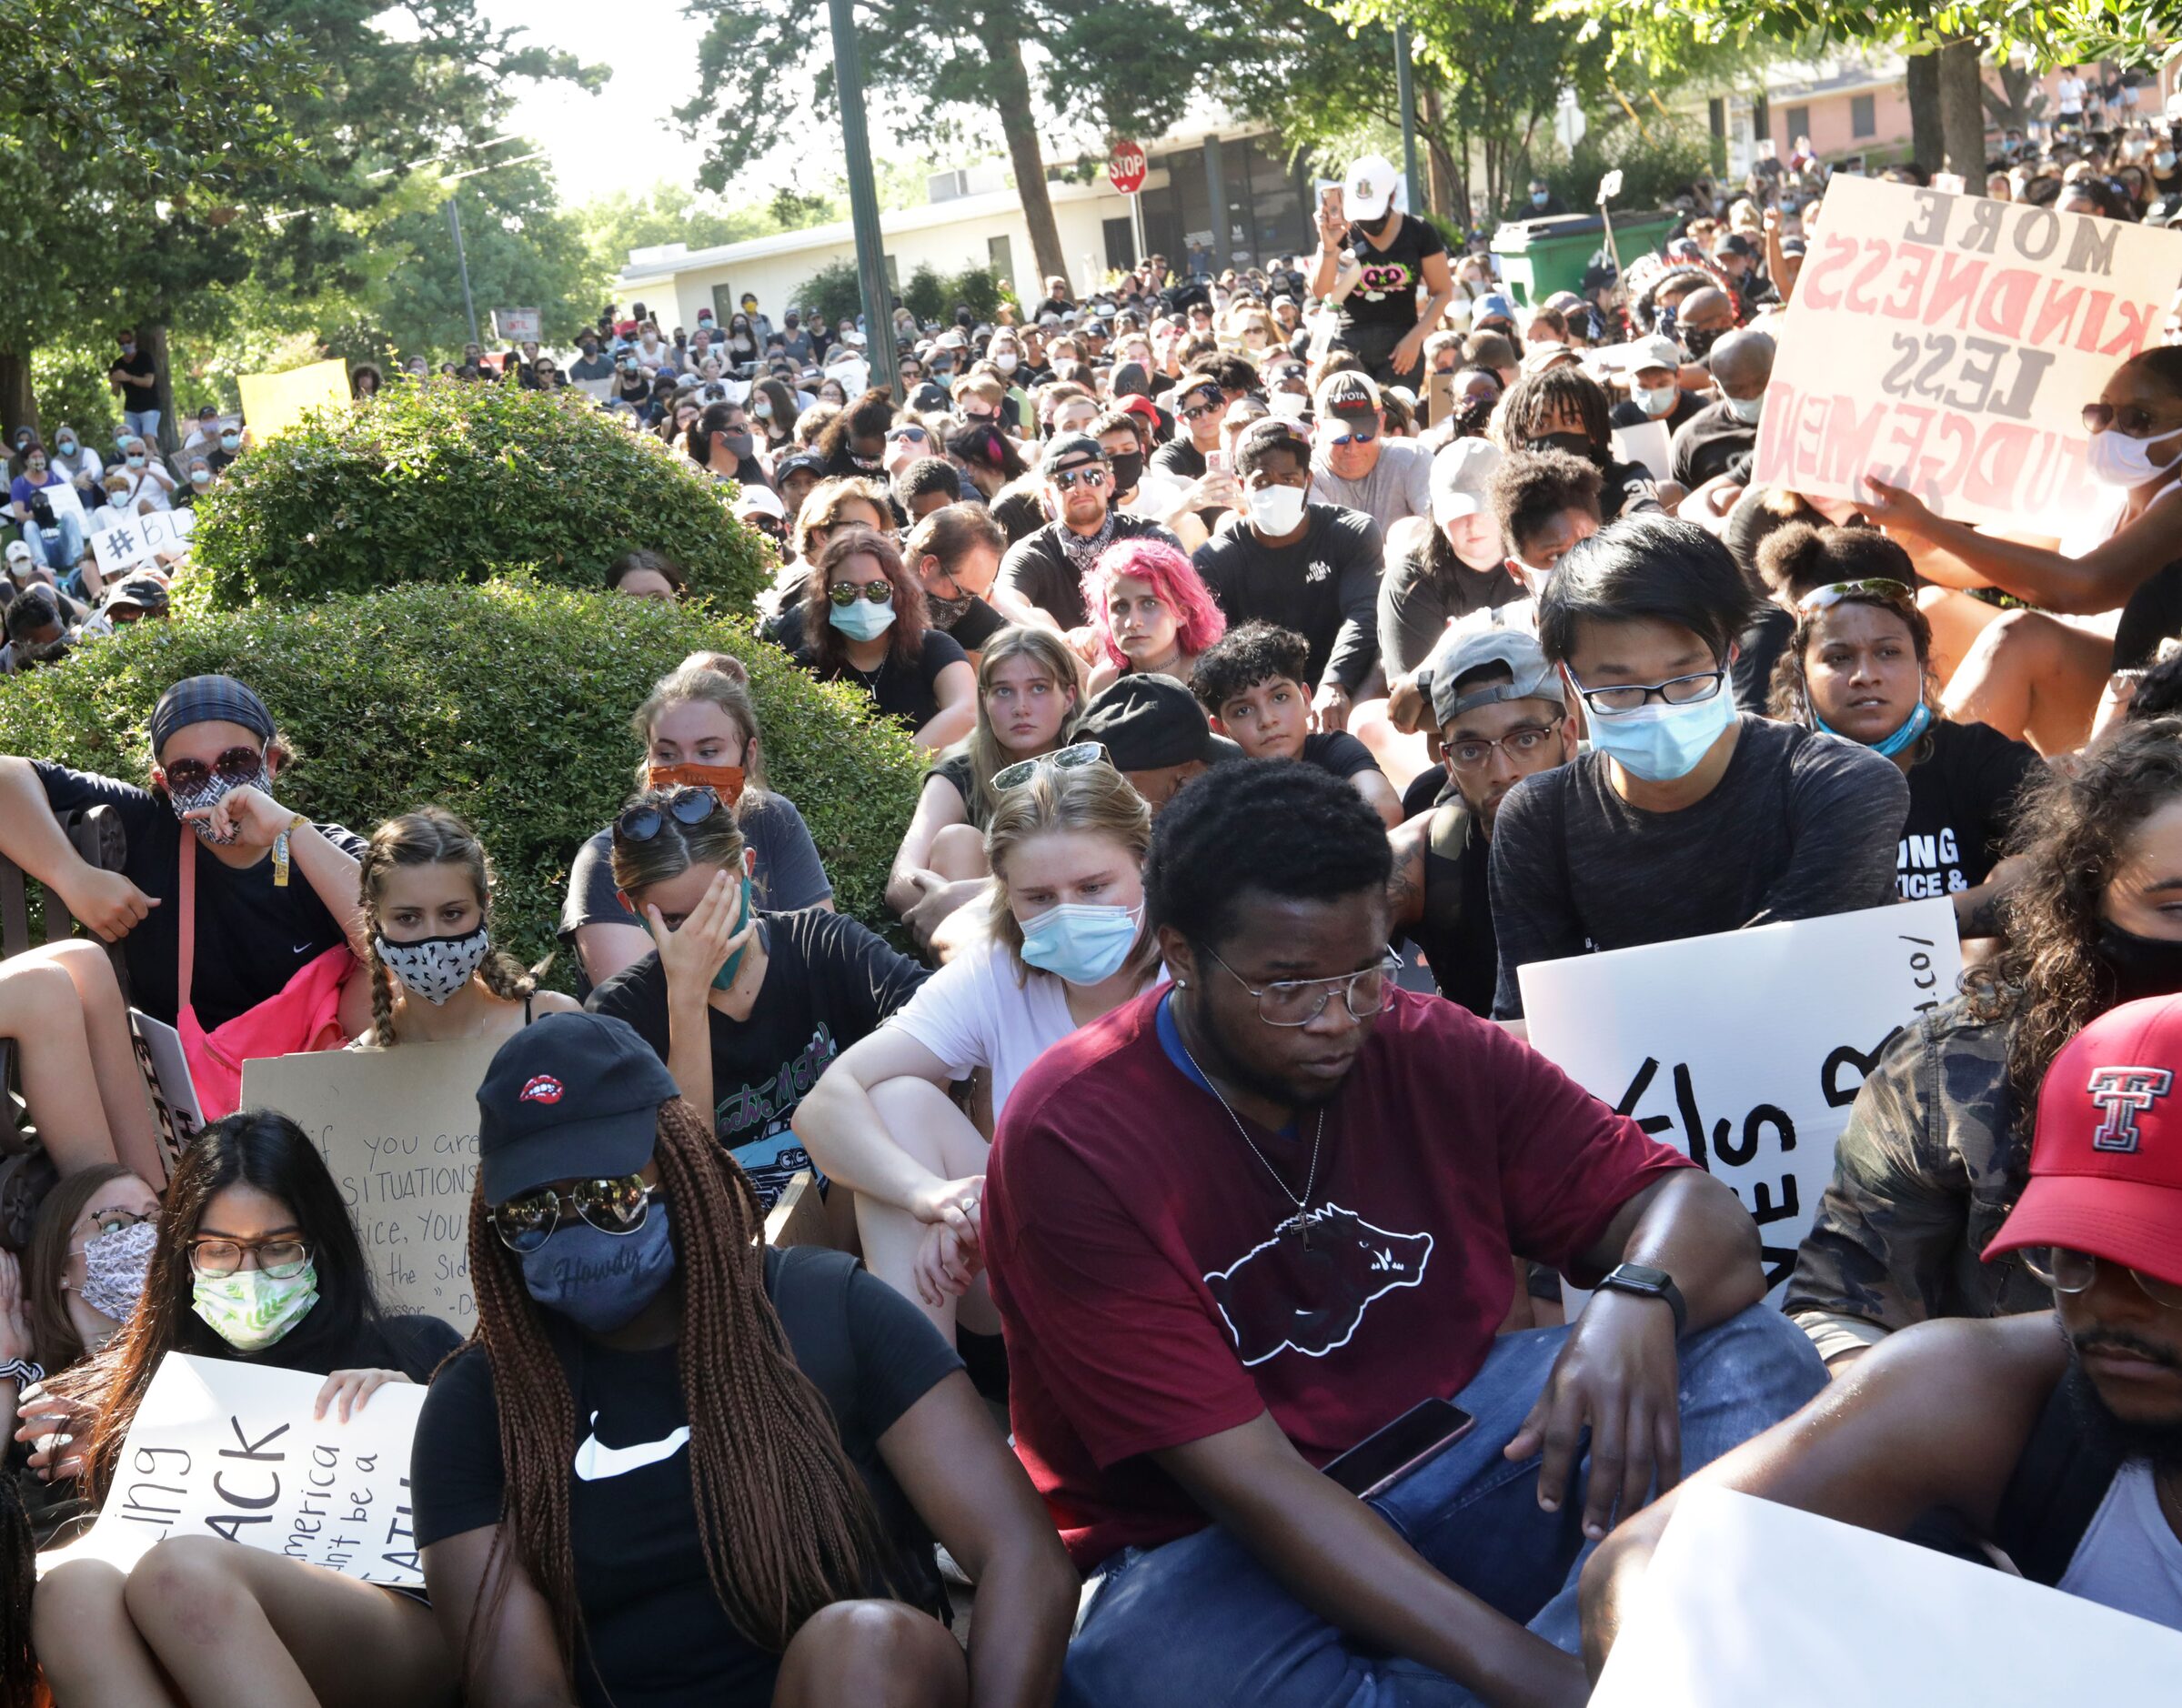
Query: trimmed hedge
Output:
(508,703)
(446,481)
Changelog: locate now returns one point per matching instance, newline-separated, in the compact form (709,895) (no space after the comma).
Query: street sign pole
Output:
(863,204)
(1126,168)
(1405,97)
(454,221)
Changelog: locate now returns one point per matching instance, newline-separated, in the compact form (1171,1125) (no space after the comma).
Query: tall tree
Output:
(966,66)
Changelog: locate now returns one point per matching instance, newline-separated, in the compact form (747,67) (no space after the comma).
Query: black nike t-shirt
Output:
(1385,294)
(654,1633)
(1962,806)
(253,936)
(829,982)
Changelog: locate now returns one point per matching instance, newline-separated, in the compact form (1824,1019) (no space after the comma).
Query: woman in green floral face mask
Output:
(256,1261)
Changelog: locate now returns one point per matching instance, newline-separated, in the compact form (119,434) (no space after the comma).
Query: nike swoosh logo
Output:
(303,948)
(596,1461)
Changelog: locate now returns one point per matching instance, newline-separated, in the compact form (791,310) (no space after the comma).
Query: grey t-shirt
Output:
(1416,606)
(1800,825)
(1399,484)
(789,877)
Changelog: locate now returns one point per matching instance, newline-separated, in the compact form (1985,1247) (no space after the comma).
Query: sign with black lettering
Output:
(231,1451)
(1745,1050)
(1948,344)
(399,1129)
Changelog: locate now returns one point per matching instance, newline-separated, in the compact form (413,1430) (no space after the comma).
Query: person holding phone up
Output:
(1372,256)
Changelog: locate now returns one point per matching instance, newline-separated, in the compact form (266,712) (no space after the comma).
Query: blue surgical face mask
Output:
(228,441)
(726,975)
(67,448)
(1660,742)
(1746,409)
(1082,942)
(859,619)
(1913,726)
(601,1281)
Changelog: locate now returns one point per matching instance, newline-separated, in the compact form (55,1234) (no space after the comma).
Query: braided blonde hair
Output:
(430,835)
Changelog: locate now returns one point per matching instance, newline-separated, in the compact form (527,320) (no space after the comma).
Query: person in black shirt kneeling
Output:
(865,620)
(678,1466)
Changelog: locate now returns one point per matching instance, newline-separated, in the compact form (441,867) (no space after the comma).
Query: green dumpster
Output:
(1539,256)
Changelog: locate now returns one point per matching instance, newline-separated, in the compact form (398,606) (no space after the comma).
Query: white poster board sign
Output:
(66,502)
(231,1451)
(517,325)
(122,546)
(1725,1617)
(167,1077)
(399,1129)
(1745,1050)
(1648,443)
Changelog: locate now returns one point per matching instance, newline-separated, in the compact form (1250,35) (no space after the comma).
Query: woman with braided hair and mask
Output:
(679,1466)
(427,897)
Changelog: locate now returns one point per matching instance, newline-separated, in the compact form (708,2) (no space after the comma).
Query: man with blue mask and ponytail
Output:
(1685,818)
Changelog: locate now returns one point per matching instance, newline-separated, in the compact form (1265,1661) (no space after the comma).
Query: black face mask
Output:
(2139,965)
(1574,444)
(1699,340)
(1128,469)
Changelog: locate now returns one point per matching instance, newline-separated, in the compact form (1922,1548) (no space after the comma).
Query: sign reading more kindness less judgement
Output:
(1948,343)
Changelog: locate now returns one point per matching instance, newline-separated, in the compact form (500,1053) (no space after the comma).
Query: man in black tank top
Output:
(2063,1450)
(1499,709)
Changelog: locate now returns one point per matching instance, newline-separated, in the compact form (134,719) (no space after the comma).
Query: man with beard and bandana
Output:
(2057,1434)
(1045,567)
(1372,257)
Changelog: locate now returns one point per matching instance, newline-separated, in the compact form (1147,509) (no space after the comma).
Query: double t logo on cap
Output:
(2125,1093)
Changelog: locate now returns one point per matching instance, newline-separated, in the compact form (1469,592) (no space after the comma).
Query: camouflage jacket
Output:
(1919,1187)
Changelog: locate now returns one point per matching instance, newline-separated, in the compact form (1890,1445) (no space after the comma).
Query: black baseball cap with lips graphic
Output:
(569,1097)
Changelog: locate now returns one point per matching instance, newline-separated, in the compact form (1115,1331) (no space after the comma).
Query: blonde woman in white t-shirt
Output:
(1067,941)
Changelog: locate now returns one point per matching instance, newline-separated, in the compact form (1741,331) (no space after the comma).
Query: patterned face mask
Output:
(114,1264)
(251,1310)
(435,968)
(214,789)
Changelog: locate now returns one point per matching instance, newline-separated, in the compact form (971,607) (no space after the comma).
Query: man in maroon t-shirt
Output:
(1235,1227)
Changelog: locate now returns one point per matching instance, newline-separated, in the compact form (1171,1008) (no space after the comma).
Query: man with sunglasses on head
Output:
(2064,1449)
(1253,1218)
(1685,818)
(1356,465)
(1045,567)
(273,890)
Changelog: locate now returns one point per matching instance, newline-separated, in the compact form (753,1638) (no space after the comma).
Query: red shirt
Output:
(1129,1236)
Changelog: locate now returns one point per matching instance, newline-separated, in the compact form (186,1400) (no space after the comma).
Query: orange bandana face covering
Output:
(726,779)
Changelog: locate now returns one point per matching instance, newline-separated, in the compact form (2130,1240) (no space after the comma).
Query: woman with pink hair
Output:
(1151,612)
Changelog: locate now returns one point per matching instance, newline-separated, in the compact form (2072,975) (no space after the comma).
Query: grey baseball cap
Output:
(1514,649)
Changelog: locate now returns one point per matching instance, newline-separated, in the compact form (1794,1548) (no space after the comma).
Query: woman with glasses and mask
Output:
(1937,1146)
(864,621)
(764,1442)
(1065,942)
(1859,666)
(746,1006)
(255,1262)
(2031,673)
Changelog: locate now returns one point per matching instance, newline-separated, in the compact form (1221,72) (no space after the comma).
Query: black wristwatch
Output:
(1649,1284)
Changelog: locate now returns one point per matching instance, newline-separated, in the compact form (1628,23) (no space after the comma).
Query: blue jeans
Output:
(55,556)
(144,424)
(1200,1624)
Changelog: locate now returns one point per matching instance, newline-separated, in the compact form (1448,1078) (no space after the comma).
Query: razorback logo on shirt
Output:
(543,1089)
(1284,1295)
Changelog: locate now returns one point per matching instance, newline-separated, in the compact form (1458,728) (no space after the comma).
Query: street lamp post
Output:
(1406,97)
(454,221)
(863,203)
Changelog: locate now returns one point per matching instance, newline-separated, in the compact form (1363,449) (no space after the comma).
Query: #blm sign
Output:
(122,546)
(1744,1049)
(231,1451)
(1948,343)
(398,1130)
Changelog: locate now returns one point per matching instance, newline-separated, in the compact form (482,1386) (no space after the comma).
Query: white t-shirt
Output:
(2130,1558)
(2071,93)
(972,1014)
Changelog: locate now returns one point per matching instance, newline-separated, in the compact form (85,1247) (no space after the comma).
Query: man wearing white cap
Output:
(1372,257)
(1654,368)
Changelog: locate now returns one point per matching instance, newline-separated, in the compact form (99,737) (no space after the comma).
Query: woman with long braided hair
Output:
(434,974)
(677,1466)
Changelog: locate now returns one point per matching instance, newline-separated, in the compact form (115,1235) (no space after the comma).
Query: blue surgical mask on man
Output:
(1746,409)
(1661,743)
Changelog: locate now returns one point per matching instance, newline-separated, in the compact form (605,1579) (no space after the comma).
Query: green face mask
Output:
(726,975)
(250,1310)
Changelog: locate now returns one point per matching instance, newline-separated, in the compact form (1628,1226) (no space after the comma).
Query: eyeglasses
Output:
(1071,759)
(1067,479)
(237,764)
(1199,411)
(618,1207)
(281,1259)
(689,805)
(1520,743)
(1354,436)
(846,593)
(1299,1001)
(1680,690)
(2067,1271)
(2138,424)
(1873,588)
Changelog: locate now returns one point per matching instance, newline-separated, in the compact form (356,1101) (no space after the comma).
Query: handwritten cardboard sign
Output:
(398,1130)
(231,1451)
(1725,1616)
(1745,1050)
(123,544)
(1948,344)
(271,403)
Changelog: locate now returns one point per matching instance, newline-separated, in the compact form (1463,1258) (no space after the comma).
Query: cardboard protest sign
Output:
(517,325)
(122,546)
(167,1078)
(271,403)
(1724,1616)
(231,1451)
(1745,1050)
(1948,343)
(399,1129)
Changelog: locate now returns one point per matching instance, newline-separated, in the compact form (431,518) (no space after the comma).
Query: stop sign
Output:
(1126,168)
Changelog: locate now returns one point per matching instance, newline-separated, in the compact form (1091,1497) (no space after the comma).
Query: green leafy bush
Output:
(1656,165)
(453,482)
(508,703)
(925,296)
(834,294)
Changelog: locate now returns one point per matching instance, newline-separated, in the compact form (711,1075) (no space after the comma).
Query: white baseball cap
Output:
(18,552)
(1369,188)
(755,500)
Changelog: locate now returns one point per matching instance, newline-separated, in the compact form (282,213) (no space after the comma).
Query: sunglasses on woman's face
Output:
(2128,420)
(237,765)
(618,1207)
(690,805)
(846,593)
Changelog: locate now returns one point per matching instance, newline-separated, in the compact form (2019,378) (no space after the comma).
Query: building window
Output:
(893,276)
(1799,125)
(1862,115)
(1120,243)
(723,305)
(1000,256)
